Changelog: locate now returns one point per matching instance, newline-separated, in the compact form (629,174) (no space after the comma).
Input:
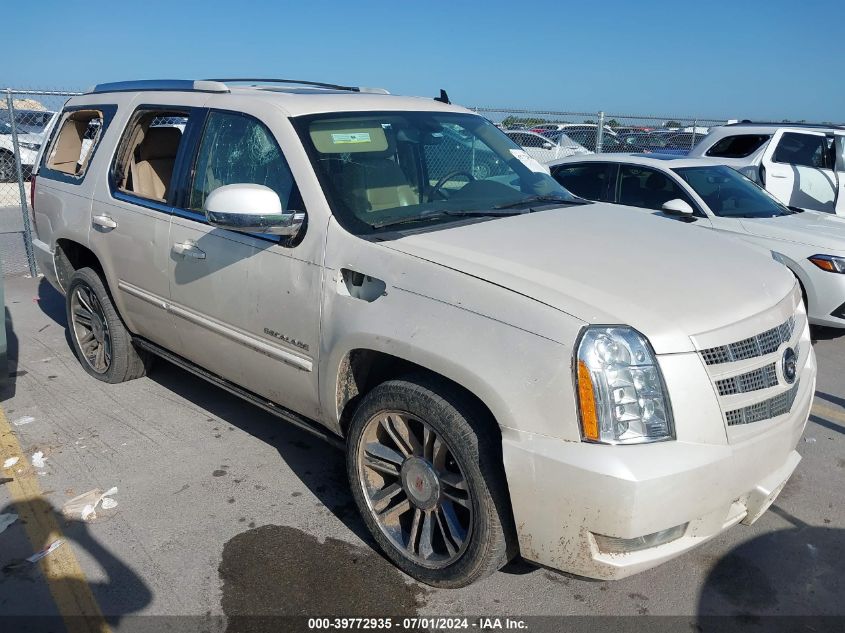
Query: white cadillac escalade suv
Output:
(510,369)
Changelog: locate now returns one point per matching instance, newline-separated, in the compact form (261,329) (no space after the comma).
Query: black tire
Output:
(474,442)
(8,171)
(126,362)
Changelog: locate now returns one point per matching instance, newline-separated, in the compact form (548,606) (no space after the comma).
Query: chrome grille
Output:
(752,347)
(770,408)
(761,378)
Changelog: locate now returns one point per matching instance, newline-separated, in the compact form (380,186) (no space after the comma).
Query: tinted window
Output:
(730,194)
(738,146)
(238,149)
(807,150)
(588,180)
(648,188)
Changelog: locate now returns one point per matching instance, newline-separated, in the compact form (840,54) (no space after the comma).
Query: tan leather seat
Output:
(154,160)
(378,183)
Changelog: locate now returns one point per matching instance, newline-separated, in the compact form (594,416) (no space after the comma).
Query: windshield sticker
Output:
(532,163)
(351,137)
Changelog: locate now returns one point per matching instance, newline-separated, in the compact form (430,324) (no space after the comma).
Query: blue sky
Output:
(772,59)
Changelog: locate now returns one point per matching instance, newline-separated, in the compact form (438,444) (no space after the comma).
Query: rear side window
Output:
(78,134)
(738,146)
(806,150)
(588,180)
(147,153)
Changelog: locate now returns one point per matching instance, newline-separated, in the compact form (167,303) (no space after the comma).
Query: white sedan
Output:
(705,193)
(544,149)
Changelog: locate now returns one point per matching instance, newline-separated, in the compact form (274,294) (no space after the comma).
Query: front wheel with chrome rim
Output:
(428,481)
(101,341)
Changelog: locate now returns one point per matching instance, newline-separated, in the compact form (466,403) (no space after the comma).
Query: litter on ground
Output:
(38,460)
(24,420)
(85,505)
(46,551)
(10,462)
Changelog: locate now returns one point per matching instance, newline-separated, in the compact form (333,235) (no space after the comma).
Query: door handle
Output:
(188,249)
(104,222)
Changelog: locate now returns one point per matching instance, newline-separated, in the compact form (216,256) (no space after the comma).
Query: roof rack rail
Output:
(316,84)
(298,82)
(175,85)
(786,124)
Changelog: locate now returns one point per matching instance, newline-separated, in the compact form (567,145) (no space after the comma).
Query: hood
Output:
(823,230)
(601,263)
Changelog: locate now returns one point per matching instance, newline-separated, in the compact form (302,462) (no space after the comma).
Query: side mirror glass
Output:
(250,208)
(548,145)
(677,207)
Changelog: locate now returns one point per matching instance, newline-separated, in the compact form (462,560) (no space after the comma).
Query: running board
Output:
(287,415)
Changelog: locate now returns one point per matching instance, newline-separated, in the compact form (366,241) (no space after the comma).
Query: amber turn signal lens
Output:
(824,264)
(587,403)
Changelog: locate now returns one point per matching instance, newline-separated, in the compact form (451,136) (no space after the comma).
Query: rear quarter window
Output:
(737,146)
(75,141)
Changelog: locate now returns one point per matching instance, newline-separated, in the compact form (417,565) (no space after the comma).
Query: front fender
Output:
(524,379)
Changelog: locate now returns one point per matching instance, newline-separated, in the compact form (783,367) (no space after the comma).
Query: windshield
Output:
(381,169)
(729,194)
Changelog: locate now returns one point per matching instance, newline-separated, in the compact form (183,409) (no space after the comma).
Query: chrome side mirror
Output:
(677,207)
(250,208)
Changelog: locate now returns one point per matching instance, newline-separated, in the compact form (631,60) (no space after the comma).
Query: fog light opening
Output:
(613,545)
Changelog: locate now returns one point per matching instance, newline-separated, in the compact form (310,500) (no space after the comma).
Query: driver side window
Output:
(237,148)
(649,188)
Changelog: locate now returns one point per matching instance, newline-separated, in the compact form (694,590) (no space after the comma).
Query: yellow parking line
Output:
(837,415)
(64,576)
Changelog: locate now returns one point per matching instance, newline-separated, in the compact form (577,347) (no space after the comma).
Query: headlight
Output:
(829,263)
(32,146)
(621,395)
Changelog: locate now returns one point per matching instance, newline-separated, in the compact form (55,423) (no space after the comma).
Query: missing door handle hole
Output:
(361,286)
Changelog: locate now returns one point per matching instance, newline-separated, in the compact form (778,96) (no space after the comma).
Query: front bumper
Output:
(564,493)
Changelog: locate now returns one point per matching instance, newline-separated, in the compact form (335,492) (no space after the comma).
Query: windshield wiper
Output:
(545,198)
(439,215)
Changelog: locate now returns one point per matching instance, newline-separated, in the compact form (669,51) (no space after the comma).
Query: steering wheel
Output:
(436,188)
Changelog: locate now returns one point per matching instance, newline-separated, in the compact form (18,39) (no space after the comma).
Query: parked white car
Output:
(29,145)
(708,194)
(803,166)
(544,149)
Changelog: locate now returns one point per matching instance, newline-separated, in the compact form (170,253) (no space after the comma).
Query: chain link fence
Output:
(547,135)
(25,117)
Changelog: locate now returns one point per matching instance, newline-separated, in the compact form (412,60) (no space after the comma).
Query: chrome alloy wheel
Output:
(415,489)
(90,328)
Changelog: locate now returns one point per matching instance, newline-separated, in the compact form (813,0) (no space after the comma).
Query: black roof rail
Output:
(297,82)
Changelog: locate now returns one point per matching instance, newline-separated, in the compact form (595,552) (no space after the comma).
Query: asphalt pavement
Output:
(225,511)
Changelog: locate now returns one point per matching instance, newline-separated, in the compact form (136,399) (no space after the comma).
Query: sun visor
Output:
(343,137)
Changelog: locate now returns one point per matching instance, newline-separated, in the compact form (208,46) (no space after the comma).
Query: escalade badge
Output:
(790,365)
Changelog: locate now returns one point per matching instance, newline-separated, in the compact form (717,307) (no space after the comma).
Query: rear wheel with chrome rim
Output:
(102,343)
(428,482)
